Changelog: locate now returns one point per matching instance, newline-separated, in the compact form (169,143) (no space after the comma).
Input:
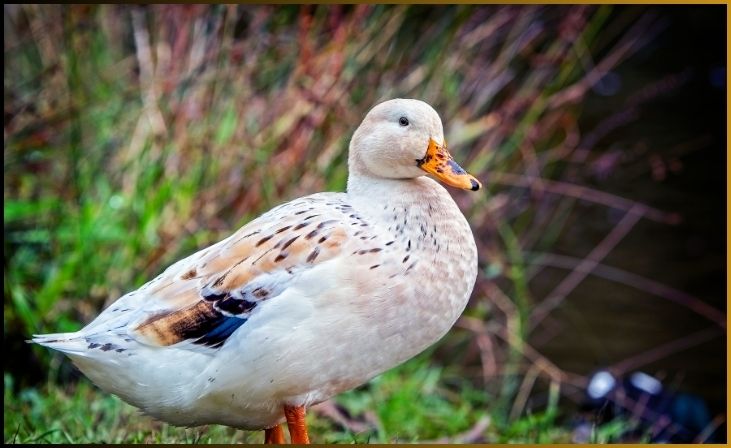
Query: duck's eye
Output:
(403,121)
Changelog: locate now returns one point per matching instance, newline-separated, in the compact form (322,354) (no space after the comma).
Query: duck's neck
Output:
(422,220)
(421,198)
(361,184)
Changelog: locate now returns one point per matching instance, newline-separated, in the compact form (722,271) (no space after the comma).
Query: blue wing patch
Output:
(218,331)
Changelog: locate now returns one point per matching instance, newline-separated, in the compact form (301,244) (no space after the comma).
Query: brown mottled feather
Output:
(168,328)
(281,240)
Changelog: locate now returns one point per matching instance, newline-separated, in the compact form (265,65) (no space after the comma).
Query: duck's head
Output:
(402,139)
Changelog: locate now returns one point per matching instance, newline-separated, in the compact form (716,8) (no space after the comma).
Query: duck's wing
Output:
(204,298)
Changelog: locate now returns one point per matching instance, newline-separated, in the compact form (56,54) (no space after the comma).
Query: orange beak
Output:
(439,163)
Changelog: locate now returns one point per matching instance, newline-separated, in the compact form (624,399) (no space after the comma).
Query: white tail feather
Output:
(72,343)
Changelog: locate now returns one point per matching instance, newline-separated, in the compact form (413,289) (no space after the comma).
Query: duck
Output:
(313,298)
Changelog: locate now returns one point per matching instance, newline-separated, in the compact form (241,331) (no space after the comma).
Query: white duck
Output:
(313,298)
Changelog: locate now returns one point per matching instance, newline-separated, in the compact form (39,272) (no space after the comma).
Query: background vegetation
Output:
(136,135)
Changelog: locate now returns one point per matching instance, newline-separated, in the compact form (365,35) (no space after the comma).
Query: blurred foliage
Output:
(136,135)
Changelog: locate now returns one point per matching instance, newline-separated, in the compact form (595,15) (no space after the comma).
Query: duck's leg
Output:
(274,435)
(295,416)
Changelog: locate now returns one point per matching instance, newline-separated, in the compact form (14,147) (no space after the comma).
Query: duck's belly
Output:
(307,362)
(176,387)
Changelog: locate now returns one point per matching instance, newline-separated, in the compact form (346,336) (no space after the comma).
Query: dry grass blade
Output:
(656,353)
(637,281)
(579,273)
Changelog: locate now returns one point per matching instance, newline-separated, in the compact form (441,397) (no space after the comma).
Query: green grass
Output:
(80,413)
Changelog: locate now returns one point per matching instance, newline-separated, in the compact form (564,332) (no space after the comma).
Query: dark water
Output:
(602,322)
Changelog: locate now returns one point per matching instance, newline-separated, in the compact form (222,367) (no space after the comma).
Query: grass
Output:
(416,402)
(137,135)
(80,413)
